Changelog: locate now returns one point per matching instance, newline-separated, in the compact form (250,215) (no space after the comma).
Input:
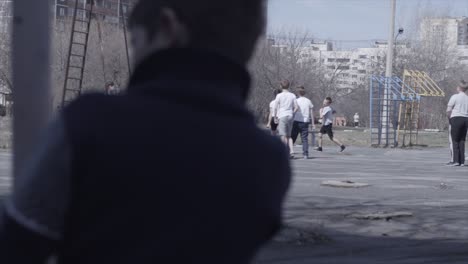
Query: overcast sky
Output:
(354,22)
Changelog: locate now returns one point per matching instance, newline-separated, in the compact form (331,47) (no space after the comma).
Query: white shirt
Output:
(285,103)
(303,114)
(356,118)
(327,114)
(459,105)
(272,107)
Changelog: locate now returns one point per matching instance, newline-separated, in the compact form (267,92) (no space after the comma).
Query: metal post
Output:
(118,10)
(371,113)
(31,77)
(388,72)
(126,42)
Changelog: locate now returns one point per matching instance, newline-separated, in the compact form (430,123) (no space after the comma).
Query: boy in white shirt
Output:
(271,122)
(327,127)
(285,108)
(303,118)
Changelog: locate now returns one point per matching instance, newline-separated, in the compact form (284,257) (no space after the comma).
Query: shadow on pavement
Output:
(347,249)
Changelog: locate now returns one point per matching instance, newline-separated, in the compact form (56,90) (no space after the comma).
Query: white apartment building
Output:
(350,68)
(454,30)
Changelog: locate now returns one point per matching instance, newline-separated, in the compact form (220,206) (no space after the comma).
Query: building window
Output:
(343,68)
(343,60)
(362,71)
(331,60)
(363,56)
(354,76)
(462,58)
(62,11)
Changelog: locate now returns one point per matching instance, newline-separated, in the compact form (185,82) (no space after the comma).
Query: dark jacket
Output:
(174,171)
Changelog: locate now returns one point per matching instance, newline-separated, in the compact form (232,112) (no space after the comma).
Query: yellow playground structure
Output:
(408,118)
(395,107)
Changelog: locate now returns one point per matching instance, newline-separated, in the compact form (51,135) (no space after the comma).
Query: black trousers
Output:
(459,131)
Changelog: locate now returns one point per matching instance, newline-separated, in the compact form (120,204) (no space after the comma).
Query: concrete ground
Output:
(320,223)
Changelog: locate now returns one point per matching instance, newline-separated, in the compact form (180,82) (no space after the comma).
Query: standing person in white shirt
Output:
(356,120)
(271,122)
(285,108)
(303,118)
(457,111)
(327,128)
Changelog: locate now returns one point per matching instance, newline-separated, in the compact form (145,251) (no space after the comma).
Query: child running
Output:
(326,114)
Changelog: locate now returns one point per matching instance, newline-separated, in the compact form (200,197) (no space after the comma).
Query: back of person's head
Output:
(463,86)
(229,27)
(329,100)
(285,84)
(301,91)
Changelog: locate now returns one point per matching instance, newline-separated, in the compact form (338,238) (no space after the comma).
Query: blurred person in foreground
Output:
(105,186)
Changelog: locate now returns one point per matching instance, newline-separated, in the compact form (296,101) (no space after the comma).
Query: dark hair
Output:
(463,85)
(329,99)
(301,90)
(285,84)
(230,27)
(276,92)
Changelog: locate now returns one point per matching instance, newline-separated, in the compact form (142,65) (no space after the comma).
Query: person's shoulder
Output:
(454,97)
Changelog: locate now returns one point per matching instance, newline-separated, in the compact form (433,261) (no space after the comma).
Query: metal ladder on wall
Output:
(78,47)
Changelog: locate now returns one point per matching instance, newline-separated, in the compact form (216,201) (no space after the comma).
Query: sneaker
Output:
(305,157)
(342,148)
(451,163)
(455,165)
(319,149)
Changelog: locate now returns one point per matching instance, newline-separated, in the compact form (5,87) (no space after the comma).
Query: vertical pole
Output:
(371,113)
(31,77)
(55,12)
(389,72)
(126,42)
(118,10)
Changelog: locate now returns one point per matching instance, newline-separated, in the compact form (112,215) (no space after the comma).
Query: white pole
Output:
(118,11)
(391,38)
(388,74)
(31,77)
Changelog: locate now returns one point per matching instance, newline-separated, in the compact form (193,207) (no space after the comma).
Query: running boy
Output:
(271,122)
(285,108)
(327,127)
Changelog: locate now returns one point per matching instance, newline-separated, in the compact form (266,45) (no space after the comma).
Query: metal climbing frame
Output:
(84,12)
(77,51)
(386,95)
(424,86)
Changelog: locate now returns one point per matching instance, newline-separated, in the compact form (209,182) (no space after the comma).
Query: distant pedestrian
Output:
(271,120)
(303,118)
(327,115)
(111,89)
(356,120)
(285,108)
(457,111)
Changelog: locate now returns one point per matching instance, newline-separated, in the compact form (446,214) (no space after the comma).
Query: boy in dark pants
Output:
(327,128)
(303,118)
